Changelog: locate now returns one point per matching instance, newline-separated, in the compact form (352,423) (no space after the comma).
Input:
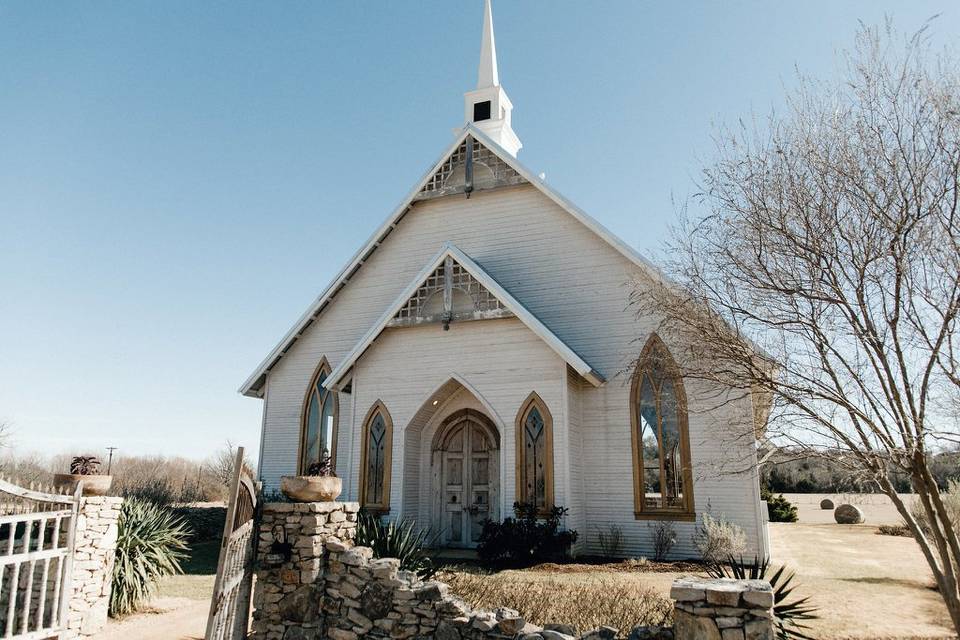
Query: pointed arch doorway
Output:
(465,463)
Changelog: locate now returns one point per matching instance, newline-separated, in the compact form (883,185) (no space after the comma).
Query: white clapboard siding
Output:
(577,285)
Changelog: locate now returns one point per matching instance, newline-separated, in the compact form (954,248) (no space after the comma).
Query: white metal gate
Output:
(37,535)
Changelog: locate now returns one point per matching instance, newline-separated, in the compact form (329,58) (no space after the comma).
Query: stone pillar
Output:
(96,546)
(290,564)
(722,609)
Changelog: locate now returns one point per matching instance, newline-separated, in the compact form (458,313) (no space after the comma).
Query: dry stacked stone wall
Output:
(96,545)
(313,583)
(722,609)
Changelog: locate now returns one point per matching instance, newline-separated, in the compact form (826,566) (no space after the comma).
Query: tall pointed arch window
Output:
(534,438)
(375,459)
(318,433)
(662,477)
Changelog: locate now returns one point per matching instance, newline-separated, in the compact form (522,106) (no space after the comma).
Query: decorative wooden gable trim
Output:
(483,280)
(471,167)
(255,383)
(450,293)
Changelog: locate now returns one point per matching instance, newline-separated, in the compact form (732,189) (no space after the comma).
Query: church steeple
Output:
(487,106)
(487,75)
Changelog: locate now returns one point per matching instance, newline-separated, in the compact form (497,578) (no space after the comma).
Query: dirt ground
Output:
(867,585)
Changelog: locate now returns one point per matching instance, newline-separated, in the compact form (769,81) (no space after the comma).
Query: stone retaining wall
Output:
(722,609)
(313,583)
(96,545)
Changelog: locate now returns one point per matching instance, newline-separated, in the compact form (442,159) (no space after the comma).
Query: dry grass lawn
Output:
(867,585)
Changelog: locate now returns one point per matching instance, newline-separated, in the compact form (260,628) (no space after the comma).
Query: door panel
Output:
(469,478)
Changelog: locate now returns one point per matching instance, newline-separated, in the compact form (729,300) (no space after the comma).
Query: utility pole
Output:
(110,459)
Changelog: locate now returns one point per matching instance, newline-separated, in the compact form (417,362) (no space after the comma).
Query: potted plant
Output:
(319,484)
(85,469)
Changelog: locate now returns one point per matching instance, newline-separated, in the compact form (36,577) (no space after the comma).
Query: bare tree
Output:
(822,276)
(222,462)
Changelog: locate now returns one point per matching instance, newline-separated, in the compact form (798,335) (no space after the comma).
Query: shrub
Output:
(716,539)
(582,604)
(401,540)
(894,530)
(527,539)
(151,542)
(779,509)
(788,615)
(664,537)
(610,541)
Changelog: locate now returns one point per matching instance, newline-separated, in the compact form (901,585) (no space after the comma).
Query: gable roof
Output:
(253,385)
(486,280)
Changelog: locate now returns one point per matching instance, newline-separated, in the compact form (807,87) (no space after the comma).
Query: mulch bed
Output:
(624,566)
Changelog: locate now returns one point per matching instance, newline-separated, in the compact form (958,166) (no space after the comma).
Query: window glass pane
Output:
(311,449)
(670,446)
(376,459)
(326,421)
(649,444)
(534,463)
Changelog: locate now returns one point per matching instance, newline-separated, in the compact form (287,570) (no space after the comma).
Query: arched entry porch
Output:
(452,465)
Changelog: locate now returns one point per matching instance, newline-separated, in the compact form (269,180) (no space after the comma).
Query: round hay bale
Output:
(848,514)
(826,503)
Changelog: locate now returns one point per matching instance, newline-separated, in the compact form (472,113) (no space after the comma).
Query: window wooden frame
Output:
(655,348)
(382,507)
(322,368)
(520,480)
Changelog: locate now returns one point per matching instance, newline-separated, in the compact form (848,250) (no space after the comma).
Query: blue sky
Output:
(178,180)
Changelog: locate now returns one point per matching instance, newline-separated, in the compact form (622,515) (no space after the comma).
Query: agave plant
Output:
(151,542)
(322,468)
(788,615)
(85,465)
(402,540)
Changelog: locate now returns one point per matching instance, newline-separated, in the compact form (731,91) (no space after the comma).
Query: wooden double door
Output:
(466,473)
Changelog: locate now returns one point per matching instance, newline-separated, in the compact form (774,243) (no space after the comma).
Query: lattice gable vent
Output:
(450,293)
(489,171)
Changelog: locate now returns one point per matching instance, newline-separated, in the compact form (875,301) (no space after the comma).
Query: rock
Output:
(732,634)
(757,597)
(848,514)
(687,590)
(690,627)
(530,636)
(603,633)
(652,632)
(505,612)
(826,503)
(446,631)
(300,605)
(376,601)
(299,633)
(341,634)
(758,630)
(565,629)
(724,594)
(511,625)
(548,634)
(431,591)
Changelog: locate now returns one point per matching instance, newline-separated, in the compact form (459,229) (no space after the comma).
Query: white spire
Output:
(487,106)
(487,75)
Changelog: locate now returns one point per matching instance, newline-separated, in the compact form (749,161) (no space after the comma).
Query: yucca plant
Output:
(151,542)
(402,540)
(788,615)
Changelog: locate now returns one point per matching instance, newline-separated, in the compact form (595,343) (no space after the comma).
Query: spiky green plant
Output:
(151,542)
(402,540)
(788,615)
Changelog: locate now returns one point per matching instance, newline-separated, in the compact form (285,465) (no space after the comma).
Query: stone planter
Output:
(311,488)
(92,485)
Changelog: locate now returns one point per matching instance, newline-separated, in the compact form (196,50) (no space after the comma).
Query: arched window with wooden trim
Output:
(662,477)
(375,458)
(318,424)
(534,436)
